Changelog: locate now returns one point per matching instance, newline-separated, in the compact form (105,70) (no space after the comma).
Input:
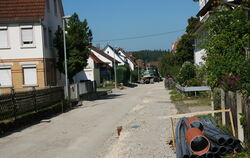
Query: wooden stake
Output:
(232,122)
(172,130)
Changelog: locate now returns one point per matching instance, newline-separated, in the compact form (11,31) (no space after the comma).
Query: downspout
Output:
(44,60)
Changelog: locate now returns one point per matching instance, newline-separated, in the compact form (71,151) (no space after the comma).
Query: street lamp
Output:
(65,57)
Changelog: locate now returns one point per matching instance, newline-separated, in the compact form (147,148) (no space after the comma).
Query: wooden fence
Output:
(18,103)
(240,107)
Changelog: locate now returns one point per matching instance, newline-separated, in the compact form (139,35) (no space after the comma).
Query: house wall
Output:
(15,50)
(102,58)
(198,57)
(111,53)
(51,22)
(18,75)
(89,73)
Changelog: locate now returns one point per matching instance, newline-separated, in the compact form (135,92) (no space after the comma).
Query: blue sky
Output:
(115,19)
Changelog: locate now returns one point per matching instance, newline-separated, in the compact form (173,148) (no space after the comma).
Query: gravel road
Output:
(89,131)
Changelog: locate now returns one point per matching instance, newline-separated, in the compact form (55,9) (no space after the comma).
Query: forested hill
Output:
(149,55)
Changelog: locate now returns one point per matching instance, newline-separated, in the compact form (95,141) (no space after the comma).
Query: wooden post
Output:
(13,98)
(232,123)
(212,102)
(34,98)
(239,111)
(223,107)
(172,131)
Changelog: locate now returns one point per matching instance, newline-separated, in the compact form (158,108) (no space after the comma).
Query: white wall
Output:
(89,73)
(51,21)
(198,57)
(111,53)
(102,58)
(16,51)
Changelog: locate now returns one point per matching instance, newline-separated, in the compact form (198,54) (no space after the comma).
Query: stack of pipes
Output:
(200,138)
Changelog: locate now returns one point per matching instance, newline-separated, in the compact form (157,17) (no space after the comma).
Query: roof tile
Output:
(22,9)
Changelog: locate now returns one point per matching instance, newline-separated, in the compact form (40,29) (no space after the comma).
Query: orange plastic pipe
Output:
(198,143)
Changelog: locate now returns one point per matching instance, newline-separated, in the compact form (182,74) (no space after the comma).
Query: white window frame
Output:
(7,31)
(7,67)
(29,66)
(33,37)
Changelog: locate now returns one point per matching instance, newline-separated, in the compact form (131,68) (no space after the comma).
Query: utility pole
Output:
(115,72)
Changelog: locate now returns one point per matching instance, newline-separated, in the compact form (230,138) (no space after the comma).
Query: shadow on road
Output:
(110,96)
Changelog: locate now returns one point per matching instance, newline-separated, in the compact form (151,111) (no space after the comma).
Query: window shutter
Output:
(30,76)
(3,38)
(27,35)
(5,79)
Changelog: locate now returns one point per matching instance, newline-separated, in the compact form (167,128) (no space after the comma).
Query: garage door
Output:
(5,77)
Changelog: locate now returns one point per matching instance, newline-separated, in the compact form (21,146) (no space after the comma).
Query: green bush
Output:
(123,74)
(187,72)
(193,82)
(134,75)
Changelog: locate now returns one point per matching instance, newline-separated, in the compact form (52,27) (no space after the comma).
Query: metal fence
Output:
(18,103)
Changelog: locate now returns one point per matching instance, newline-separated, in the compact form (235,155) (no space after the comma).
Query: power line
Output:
(138,37)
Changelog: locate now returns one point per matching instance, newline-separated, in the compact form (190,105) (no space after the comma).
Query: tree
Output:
(185,49)
(192,22)
(78,38)
(168,66)
(228,34)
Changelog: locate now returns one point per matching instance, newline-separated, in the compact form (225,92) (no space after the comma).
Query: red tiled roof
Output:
(95,58)
(103,54)
(22,9)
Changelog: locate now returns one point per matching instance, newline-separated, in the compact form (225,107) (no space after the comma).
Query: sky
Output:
(121,19)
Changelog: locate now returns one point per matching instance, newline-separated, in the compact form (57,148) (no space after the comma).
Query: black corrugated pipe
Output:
(182,150)
(209,155)
(179,153)
(228,139)
(229,149)
(185,149)
(217,155)
(214,137)
(214,147)
(193,156)
(222,150)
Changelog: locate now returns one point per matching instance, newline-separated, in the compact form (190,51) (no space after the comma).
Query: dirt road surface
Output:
(89,131)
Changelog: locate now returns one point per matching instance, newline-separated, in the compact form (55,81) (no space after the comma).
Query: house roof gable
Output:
(22,9)
(103,54)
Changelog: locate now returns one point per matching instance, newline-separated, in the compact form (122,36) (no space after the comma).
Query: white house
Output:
(103,56)
(91,71)
(126,59)
(206,6)
(27,55)
(120,55)
(114,54)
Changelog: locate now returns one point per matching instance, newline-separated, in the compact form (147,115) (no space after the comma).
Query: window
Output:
(29,75)
(27,35)
(5,79)
(45,37)
(3,37)
(55,6)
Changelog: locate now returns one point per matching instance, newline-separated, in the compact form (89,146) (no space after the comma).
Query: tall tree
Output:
(192,22)
(78,38)
(227,62)
(185,49)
